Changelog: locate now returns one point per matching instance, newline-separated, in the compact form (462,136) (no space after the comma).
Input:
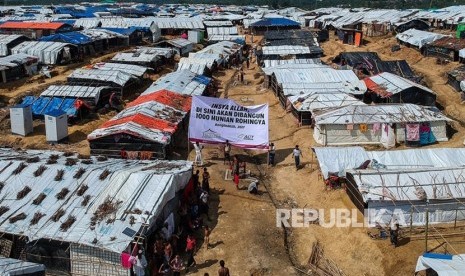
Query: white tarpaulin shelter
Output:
(75,91)
(398,183)
(443,267)
(11,267)
(135,70)
(366,124)
(116,77)
(5,40)
(46,51)
(128,186)
(183,82)
(418,38)
(215,120)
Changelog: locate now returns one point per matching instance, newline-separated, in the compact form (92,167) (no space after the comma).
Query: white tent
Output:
(443,267)
(418,38)
(47,52)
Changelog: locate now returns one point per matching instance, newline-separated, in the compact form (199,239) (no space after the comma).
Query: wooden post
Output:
(455,220)
(426,229)
(411,220)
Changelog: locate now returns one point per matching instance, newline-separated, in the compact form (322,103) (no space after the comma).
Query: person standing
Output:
(394,234)
(191,245)
(271,154)
(236,165)
(139,263)
(206,236)
(198,154)
(227,152)
(206,180)
(223,271)
(297,153)
(176,265)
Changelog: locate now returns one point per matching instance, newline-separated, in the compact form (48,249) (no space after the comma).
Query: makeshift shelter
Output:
(17,66)
(78,228)
(73,107)
(303,105)
(150,126)
(390,88)
(34,30)
(178,25)
(105,39)
(350,36)
(224,52)
(416,24)
(96,77)
(456,78)
(290,51)
(180,45)
(94,96)
(7,42)
(135,70)
(200,66)
(267,63)
(146,56)
(48,52)
(270,24)
(400,184)
(417,39)
(380,125)
(14,267)
(293,79)
(182,82)
(446,47)
(442,265)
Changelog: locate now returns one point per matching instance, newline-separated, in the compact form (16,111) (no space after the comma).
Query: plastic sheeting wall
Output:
(340,135)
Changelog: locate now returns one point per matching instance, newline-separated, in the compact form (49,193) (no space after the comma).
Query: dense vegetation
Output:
(306,4)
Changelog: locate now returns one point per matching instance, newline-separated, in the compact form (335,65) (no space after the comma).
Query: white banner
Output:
(214,120)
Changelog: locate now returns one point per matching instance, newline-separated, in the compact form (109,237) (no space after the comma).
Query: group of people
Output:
(296,153)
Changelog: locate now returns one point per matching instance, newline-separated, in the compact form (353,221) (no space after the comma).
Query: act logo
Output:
(245,137)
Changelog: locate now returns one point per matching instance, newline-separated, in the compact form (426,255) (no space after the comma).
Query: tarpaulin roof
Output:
(175,100)
(16,60)
(275,22)
(70,37)
(128,186)
(418,38)
(116,77)
(143,120)
(74,91)
(41,105)
(286,50)
(276,62)
(123,31)
(11,267)
(46,51)
(32,25)
(386,84)
(389,113)
(132,128)
(453,266)
(7,39)
(313,101)
(135,70)
(183,82)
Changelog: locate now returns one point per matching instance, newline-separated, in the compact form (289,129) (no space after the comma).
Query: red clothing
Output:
(191,244)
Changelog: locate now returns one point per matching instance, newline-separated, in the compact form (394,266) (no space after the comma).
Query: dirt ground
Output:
(244,231)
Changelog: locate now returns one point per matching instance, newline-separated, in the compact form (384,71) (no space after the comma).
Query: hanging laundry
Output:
(363,127)
(132,154)
(426,135)
(412,132)
(376,127)
(350,127)
(125,260)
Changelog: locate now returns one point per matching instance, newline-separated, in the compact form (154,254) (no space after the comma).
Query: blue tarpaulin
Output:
(202,79)
(54,104)
(71,37)
(275,22)
(42,105)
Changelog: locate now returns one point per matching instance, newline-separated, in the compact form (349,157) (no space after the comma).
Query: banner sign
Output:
(214,120)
